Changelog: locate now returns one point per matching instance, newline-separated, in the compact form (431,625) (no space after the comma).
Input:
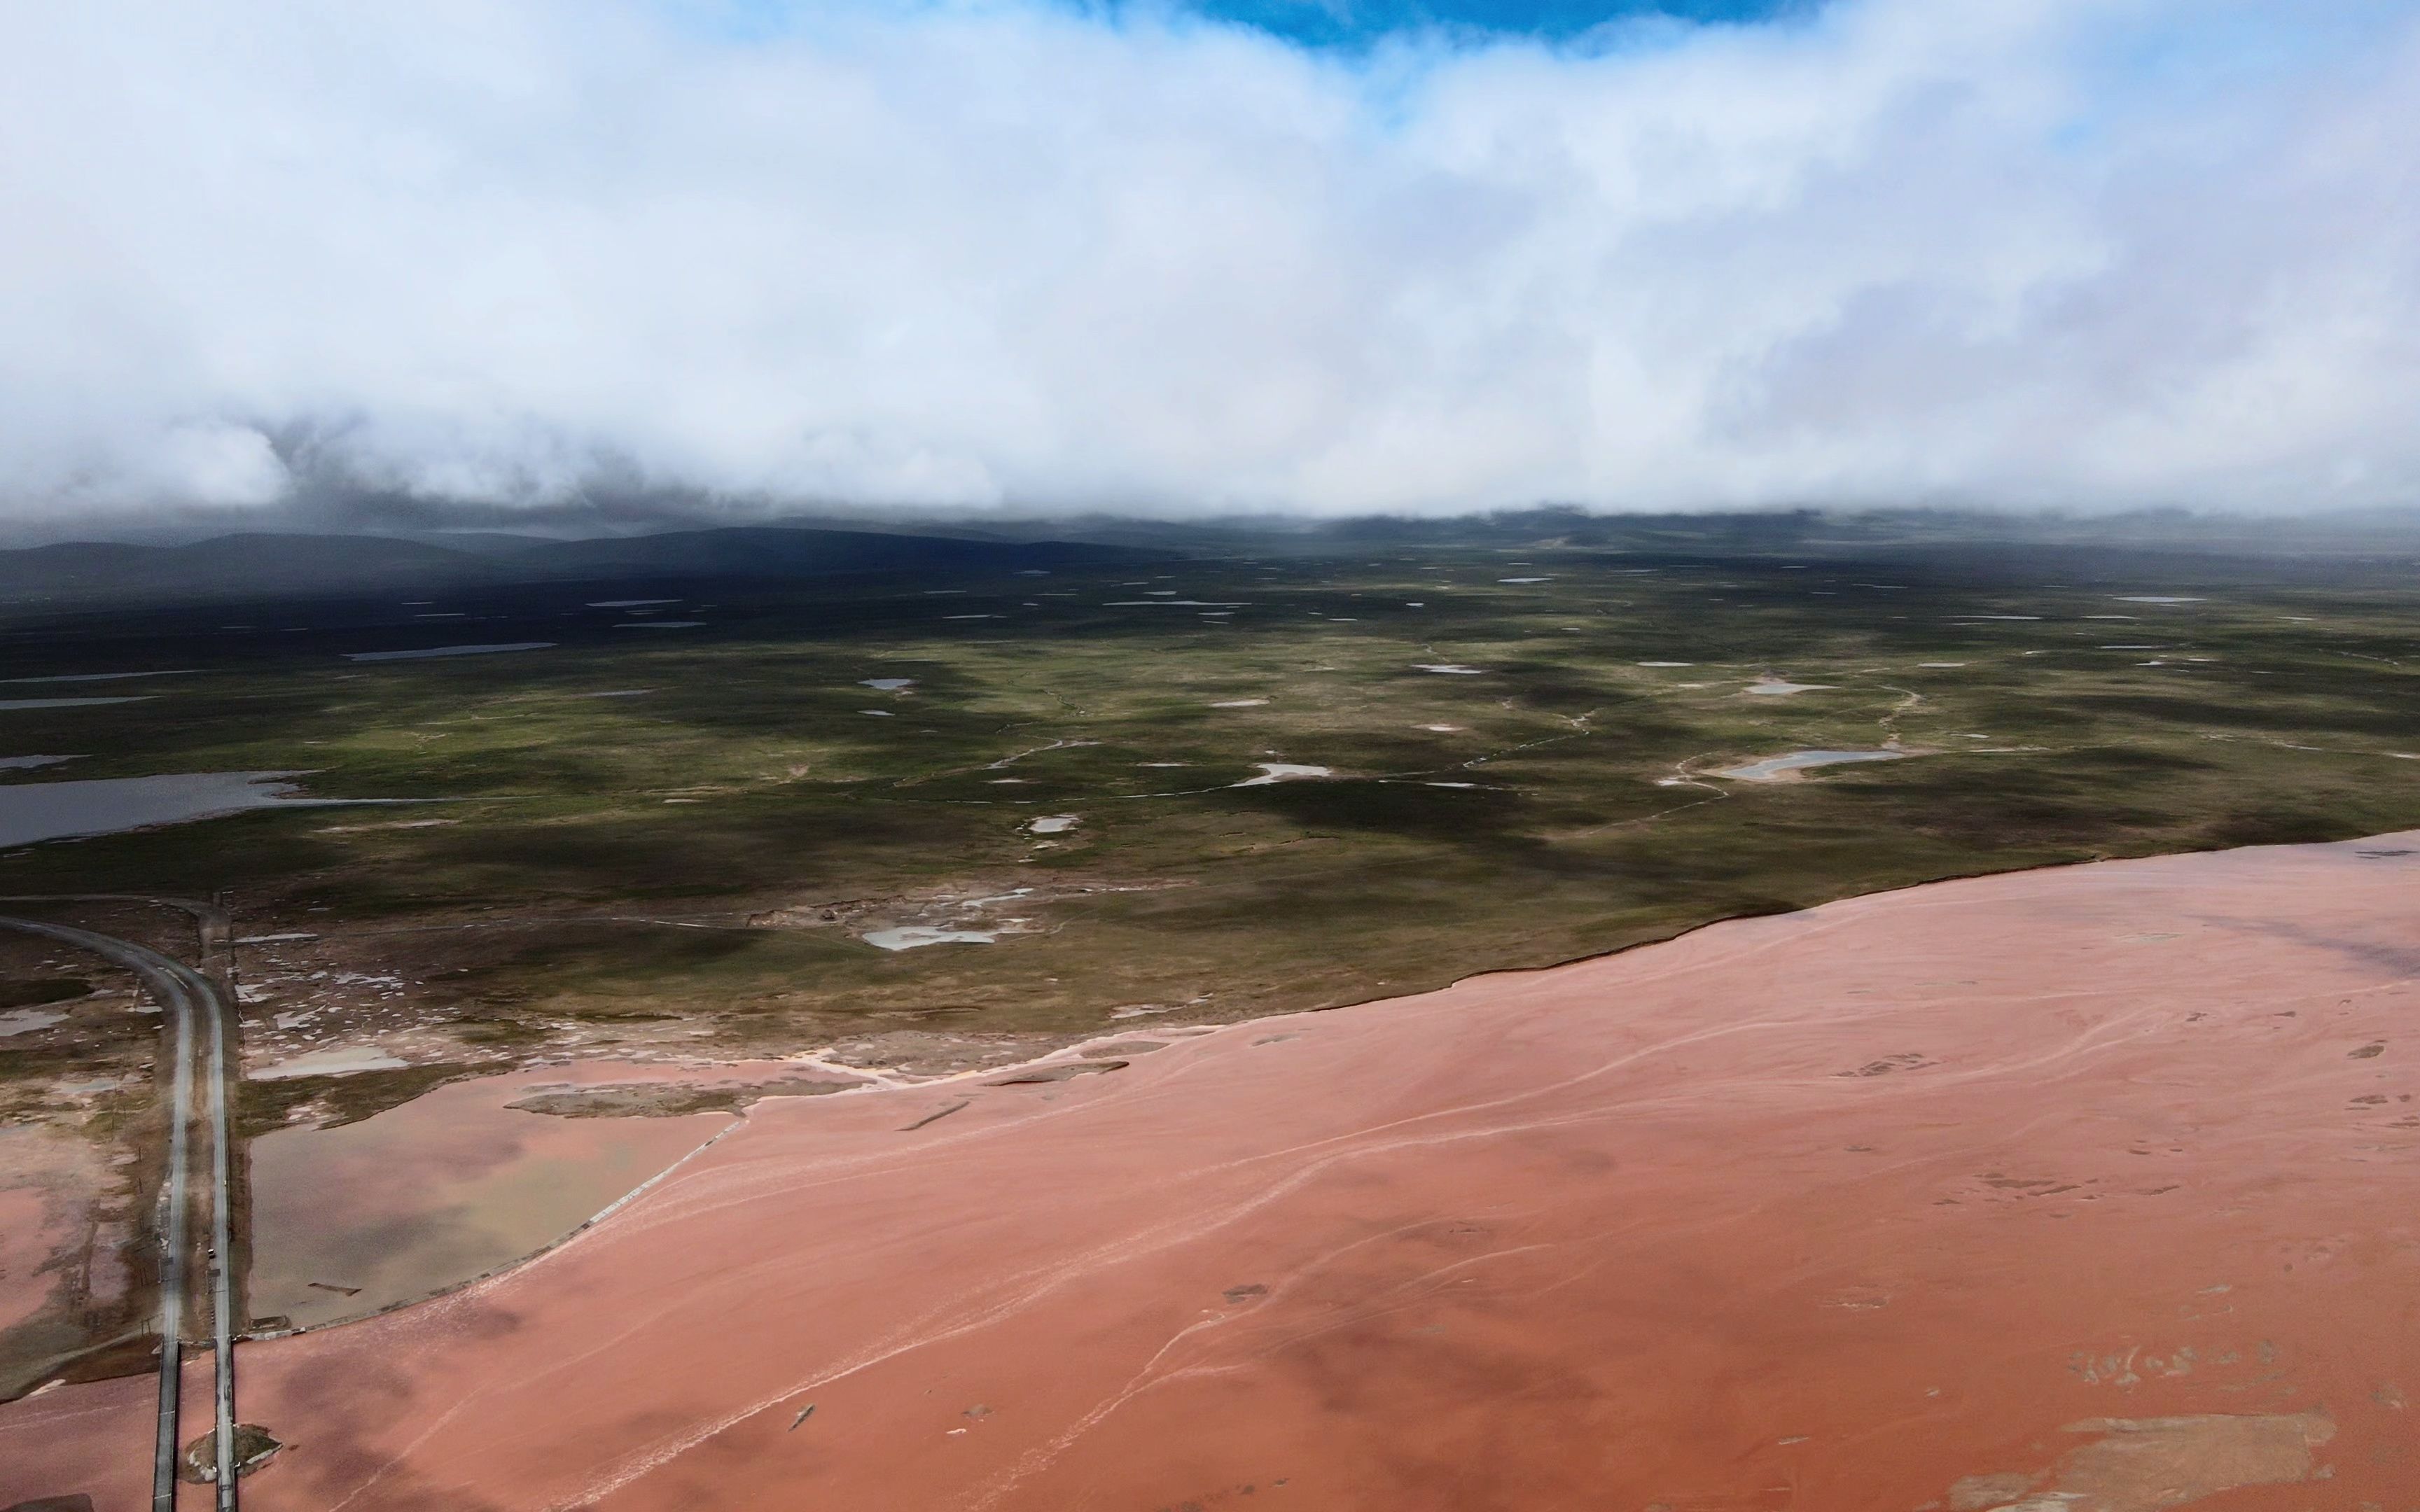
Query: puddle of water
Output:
(1799,761)
(1524,580)
(66,703)
(2155,598)
(340,1061)
(1939,666)
(913,936)
(1280,772)
(31,811)
(1240,704)
(1780,687)
(627,603)
(27,1020)
(427,652)
(1667,664)
(444,1188)
(26,763)
(1450,669)
(1056,823)
(620,693)
(888,684)
(1171,603)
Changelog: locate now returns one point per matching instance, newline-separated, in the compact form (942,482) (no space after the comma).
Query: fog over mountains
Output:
(1021,255)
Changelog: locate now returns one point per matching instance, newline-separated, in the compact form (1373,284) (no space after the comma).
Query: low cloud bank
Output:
(1007,253)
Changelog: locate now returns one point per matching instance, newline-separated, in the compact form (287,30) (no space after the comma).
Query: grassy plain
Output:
(602,820)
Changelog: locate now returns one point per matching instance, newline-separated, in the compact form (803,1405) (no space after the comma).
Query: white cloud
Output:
(2084,252)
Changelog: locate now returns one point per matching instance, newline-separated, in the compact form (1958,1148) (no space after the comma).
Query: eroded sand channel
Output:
(2093,1185)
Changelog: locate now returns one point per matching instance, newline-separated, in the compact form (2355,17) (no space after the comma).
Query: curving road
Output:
(183,994)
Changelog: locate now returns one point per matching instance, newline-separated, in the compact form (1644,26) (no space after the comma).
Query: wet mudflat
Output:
(61,1268)
(470,1177)
(2094,1185)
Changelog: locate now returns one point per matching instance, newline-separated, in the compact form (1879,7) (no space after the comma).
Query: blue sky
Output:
(1326,22)
(1322,23)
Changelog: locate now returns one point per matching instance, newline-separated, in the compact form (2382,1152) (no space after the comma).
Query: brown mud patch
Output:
(2117,1229)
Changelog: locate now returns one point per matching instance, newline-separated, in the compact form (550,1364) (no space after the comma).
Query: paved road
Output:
(184,994)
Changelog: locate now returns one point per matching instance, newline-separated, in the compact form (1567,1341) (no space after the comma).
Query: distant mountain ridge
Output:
(255,565)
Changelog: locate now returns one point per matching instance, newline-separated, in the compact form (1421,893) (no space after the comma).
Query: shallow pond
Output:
(63,1279)
(31,811)
(450,1185)
(97,677)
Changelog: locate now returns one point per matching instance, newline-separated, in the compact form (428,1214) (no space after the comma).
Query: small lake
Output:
(1799,761)
(98,677)
(31,811)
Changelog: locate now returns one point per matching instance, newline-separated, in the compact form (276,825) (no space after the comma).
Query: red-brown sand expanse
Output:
(2100,1182)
